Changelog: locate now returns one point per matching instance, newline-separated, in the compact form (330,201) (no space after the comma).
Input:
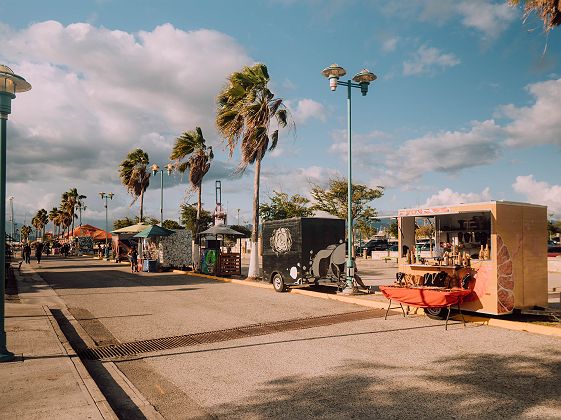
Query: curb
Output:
(492,322)
(86,380)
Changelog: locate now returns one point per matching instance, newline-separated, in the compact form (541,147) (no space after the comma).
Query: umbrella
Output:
(152,231)
(139,227)
(221,230)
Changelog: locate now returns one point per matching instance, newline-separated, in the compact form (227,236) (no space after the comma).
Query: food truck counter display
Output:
(497,249)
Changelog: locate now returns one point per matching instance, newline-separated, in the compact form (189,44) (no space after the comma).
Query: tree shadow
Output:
(67,277)
(470,386)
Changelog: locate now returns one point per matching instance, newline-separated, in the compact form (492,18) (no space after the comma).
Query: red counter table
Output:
(425,297)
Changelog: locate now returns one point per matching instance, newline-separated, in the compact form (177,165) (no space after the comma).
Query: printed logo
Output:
(281,241)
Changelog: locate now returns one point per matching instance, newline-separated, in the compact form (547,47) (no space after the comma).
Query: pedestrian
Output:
(134,259)
(38,251)
(27,253)
(64,250)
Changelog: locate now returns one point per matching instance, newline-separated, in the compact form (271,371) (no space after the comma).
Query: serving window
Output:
(458,236)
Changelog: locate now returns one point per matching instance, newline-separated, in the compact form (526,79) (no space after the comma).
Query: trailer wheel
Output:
(278,283)
(437,313)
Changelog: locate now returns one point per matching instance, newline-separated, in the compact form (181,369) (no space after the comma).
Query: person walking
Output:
(27,253)
(38,251)
(134,260)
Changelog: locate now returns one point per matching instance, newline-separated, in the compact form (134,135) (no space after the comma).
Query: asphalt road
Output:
(375,368)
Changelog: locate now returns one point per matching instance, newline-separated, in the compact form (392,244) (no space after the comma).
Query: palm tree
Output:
(35,222)
(191,146)
(70,200)
(134,176)
(44,219)
(54,216)
(549,11)
(25,232)
(39,222)
(246,109)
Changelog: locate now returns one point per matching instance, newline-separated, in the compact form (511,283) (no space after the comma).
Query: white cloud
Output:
(449,197)
(306,109)
(368,149)
(447,152)
(295,181)
(390,44)
(486,17)
(99,93)
(426,60)
(539,192)
(490,19)
(539,123)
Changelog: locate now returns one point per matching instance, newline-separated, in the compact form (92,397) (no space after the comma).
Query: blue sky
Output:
(465,108)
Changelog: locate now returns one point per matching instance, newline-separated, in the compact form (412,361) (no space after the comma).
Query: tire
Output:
(437,313)
(278,283)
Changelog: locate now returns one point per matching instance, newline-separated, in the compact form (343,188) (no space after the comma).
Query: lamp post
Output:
(80,206)
(155,169)
(11,198)
(105,196)
(10,84)
(362,80)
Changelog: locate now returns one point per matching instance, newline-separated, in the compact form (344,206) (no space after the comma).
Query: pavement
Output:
(46,380)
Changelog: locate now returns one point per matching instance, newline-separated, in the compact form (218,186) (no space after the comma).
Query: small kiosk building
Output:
(500,244)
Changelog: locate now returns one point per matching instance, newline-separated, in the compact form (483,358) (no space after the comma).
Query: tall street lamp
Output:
(80,206)
(10,84)
(155,169)
(105,196)
(11,198)
(362,79)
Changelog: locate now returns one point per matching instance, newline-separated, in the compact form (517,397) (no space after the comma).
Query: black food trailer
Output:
(303,250)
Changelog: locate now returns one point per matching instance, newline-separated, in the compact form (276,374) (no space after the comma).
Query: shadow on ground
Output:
(472,386)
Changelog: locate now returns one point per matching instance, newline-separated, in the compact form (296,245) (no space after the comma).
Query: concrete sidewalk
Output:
(47,380)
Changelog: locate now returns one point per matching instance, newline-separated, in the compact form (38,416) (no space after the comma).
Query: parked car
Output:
(553,250)
(375,245)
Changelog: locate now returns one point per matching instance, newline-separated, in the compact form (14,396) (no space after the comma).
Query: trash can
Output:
(150,266)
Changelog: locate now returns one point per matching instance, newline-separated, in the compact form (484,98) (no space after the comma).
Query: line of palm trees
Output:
(246,108)
(62,217)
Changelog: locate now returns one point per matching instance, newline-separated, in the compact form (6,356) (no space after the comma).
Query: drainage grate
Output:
(168,343)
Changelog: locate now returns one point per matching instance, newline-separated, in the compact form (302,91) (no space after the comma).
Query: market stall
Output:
(496,250)
(123,240)
(214,258)
(150,249)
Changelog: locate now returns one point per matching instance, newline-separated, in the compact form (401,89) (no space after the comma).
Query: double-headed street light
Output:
(362,79)
(105,196)
(155,169)
(80,206)
(10,84)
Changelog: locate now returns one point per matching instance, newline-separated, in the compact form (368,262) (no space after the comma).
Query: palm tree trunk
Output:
(141,206)
(72,221)
(253,271)
(196,240)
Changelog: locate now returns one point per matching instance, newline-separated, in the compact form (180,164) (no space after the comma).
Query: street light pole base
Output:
(6,356)
(348,291)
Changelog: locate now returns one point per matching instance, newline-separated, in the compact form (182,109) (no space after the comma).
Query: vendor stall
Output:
(496,250)
(151,237)
(216,260)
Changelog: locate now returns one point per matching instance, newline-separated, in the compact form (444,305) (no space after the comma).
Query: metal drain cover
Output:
(166,343)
